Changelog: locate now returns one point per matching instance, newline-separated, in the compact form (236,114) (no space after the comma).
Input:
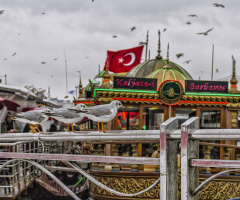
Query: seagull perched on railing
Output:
(33,117)
(67,116)
(101,113)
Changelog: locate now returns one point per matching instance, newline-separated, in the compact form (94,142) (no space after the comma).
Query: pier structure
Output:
(176,164)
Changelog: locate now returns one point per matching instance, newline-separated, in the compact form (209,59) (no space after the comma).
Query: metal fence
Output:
(18,174)
(58,146)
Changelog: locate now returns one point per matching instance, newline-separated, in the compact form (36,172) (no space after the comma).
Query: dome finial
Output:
(233,81)
(99,69)
(106,78)
(167,59)
(159,46)
(107,66)
(80,89)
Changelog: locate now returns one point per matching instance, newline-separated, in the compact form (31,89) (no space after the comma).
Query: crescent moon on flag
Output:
(132,60)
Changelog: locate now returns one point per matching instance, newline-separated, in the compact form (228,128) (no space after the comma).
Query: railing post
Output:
(189,150)
(168,162)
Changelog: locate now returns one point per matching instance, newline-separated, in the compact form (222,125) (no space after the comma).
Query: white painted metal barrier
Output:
(189,135)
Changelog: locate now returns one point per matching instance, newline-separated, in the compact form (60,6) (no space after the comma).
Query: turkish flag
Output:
(123,60)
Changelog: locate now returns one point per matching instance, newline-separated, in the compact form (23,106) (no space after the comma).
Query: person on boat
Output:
(9,125)
(54,127)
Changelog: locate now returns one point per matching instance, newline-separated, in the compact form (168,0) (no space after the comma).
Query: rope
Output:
(107,188)
(84,174)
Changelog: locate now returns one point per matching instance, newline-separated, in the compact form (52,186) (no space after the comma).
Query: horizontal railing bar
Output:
(215,163)
(127,142)
(83,138)
(214,137)
(66,169)
(147,135)
(84,158)
(219,145)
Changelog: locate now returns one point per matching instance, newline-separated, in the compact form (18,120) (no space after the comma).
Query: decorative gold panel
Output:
(126,184)
(220,189)
(226,187)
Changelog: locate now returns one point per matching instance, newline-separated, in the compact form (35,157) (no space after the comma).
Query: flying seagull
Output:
(218,5)
(1,12)
(188,23)
(55,59)
(179,55)
(187,61)
(5,58)
(217,70)
(192,15)
(14,54)
(114,36)
(133,28)
(205,33)
(164,29)
(43,13)
(43,63)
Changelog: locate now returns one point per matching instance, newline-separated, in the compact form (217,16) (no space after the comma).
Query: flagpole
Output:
(212,60)
(66,74)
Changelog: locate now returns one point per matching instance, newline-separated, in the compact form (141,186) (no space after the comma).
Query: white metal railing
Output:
(17,174)
(189,134)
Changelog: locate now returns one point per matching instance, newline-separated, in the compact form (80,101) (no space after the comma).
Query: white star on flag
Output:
(120,60)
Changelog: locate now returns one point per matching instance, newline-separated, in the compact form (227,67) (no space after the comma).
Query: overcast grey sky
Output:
(84,29)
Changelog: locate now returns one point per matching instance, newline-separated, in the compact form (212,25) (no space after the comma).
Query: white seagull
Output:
(67,116)
(101,113)
(33,117)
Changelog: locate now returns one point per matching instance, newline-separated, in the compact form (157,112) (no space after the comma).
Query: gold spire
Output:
(106,78)
(159,46)
(233,81)
(167,59)
(106,66)
(80,89)
(146,46)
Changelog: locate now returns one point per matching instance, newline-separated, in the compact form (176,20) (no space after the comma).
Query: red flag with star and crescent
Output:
(123,60)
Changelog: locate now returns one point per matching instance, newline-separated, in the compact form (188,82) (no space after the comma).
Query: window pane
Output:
(128,118)
(152,118)
(184,114)
(210,119)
